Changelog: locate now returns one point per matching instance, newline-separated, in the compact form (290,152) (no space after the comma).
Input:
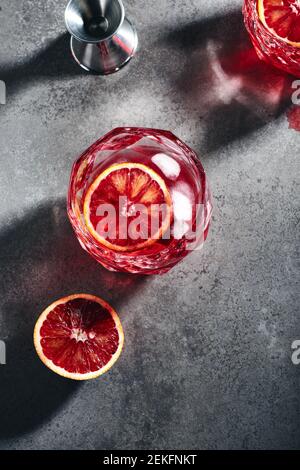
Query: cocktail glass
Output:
(139,200)
(280,52)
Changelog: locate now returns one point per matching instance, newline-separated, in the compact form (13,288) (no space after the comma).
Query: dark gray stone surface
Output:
(207,361)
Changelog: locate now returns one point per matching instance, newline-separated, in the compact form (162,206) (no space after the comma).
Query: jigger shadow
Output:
(42,261)
(223,82)
(52,61)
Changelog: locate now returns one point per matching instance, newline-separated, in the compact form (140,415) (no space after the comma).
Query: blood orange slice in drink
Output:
(282,19)
(79,337)
(135,194)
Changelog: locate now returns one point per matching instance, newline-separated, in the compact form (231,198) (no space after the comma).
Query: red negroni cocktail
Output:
(274,28)
(139,201)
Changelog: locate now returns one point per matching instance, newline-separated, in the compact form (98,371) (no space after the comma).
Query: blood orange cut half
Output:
(136,193)
(79,337)
(282,19)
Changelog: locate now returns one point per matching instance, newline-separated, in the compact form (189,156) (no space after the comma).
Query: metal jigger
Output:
(103,40)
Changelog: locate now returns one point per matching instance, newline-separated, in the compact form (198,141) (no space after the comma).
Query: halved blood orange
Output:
(282,19)
(141,188)
(79,337)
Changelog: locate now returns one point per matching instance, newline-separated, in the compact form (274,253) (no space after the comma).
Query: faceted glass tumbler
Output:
(173,166)
(270,48)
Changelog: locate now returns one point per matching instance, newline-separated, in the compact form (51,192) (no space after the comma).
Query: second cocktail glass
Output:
(274,28)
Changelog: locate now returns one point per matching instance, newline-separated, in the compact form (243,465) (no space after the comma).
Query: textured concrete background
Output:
(207,362)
